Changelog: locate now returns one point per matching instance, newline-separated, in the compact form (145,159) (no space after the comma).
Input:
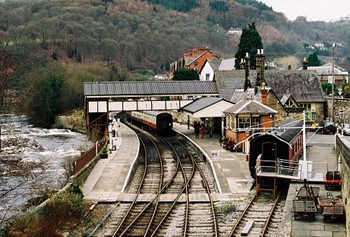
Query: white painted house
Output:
(211,66)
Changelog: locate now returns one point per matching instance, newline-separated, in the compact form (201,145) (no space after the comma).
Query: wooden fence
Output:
(88,156)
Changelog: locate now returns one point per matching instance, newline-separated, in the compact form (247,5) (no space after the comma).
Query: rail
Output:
(279,167)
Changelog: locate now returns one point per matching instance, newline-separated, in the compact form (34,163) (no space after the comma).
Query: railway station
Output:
(108,180)
(230,167)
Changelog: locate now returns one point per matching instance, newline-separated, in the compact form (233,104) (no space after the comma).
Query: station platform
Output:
(108,179)
(230,168)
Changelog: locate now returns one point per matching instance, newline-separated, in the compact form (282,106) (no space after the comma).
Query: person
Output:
(202,130)
(196,129)
(180,120)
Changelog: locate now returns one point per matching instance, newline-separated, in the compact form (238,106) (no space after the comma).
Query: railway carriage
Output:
(160,122)
(284,143)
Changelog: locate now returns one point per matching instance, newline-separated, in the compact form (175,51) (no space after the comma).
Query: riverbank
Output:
(73,120)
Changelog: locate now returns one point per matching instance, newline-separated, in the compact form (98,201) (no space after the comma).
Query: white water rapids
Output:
(23,145)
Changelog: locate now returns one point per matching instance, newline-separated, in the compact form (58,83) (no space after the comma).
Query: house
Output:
(325,74)
(303,85)
(293,109)
(234,31)
(246,117)
(208,71)
(305,88)
(211,66)
(192,59)
(272,101)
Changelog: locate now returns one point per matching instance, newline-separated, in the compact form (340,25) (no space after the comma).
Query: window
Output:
(248,122)
(255,122)
(207,76)
(306,106)
(243,122)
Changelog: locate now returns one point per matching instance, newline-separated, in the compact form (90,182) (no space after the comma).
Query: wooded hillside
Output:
(149,34)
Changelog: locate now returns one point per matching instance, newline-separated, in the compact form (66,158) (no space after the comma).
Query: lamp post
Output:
(332,115)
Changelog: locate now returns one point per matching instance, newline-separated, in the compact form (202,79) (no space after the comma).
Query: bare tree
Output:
(8,66)
(19,176)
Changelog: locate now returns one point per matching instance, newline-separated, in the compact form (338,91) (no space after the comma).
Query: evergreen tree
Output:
(312,60)
(185,74)
(250,42)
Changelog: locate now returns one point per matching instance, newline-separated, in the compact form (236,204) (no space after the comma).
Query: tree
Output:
(312,60)
(8,67)
(250,42)
(19,176)
(185,74)
(45,95)
(327,89)
(346,90)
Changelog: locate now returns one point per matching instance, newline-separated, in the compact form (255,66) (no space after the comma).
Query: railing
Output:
(278,167)
(343,147)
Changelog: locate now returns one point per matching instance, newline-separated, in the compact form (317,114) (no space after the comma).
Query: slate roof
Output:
(326,69)
(228,82)
(302,84)
(214,63)
(149,88)
(227,64)
(249,106)
(200,104)
(240,94)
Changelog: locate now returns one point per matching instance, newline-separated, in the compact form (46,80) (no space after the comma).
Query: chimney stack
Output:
(245,65)
(263,94)
(305,64)
(260,65)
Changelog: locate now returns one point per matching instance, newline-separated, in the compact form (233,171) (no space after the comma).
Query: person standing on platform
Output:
(202,130)
(196,129)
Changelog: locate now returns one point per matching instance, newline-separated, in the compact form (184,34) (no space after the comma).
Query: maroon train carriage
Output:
(285,143)
(160,122)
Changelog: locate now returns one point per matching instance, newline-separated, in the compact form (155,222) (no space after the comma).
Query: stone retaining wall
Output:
(343,153)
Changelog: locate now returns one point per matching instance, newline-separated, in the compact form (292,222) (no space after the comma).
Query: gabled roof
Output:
(249,106)
(302,84)
(214,63)
(227,64)
(285,98)
(149,88)
(206,108)
(240,94)
(228,82)
(191,59)
(200,104)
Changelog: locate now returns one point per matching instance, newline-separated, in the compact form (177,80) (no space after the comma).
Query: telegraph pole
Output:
(332,115)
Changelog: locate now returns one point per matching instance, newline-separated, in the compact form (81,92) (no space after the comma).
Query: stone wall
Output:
(339,103)
(343,153)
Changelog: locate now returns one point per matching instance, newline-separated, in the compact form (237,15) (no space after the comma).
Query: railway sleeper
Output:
(247,227)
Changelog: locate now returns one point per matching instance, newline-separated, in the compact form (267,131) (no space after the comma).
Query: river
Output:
(33,161)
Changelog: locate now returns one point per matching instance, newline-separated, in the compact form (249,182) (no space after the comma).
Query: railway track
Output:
(261,217)
(169,174)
